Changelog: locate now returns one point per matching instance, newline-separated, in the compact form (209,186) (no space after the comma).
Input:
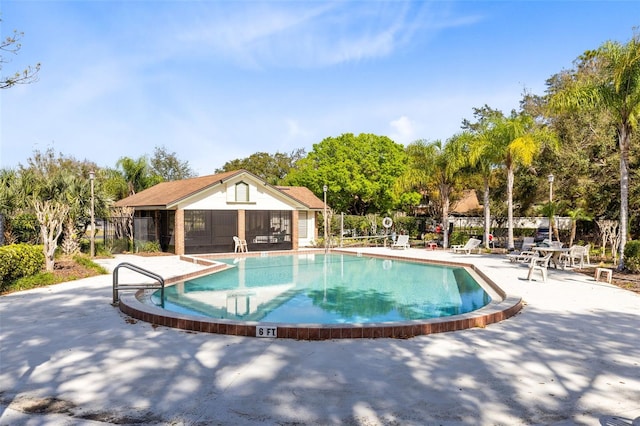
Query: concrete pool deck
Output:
(571,356)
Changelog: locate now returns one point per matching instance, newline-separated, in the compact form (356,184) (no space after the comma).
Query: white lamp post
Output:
(550,179)
(324,190)
(92,176)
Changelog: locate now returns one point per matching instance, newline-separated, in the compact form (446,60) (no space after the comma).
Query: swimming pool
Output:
(381,261)
(327,289)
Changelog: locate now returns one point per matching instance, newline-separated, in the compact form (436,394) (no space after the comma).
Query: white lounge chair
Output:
(523,256)
(471,245)
(401,242)
(527,243)
(541,264)
(240,245)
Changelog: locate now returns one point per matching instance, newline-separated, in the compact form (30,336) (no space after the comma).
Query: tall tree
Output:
(575,215)
(51,215)
(515,140)
(168,166)
(359,171)
(615,87)
(439,166)
(137,174)
(273,168)
(484,155)
(58,191)
(9,199)
(11,44)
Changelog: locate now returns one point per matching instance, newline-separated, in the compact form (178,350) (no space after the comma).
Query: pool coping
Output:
(496,311)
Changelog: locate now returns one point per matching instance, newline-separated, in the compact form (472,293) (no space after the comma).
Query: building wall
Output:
(261,197)
(223,198)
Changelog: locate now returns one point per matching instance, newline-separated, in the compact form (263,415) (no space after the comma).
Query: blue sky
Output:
(219,80)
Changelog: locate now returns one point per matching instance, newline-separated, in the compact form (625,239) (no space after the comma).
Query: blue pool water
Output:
(327,289)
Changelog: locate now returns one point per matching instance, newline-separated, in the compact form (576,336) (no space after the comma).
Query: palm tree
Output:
(436,165)
(514,142)
(9,197)
(549,210)
(615,88)
(137,174)
(484,156)
(576,214)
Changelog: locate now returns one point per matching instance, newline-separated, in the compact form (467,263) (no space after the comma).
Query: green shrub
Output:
(19,260)
(409,224)
(632,256)
(119,246)
(632,264)
(458,238)
(88,263)
(148,246)
(25,228)
(632,249)
(33,281)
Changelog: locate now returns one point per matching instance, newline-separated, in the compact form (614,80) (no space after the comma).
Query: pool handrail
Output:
(139,286)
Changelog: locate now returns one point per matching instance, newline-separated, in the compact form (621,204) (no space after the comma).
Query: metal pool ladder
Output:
(140,286)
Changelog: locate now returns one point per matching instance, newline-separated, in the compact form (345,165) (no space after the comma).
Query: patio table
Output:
(557,252)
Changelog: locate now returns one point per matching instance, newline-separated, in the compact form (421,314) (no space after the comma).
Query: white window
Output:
(302,225)
(242,192)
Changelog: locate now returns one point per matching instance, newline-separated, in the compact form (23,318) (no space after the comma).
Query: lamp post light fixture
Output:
(324,190)
(92,177)
(550,179)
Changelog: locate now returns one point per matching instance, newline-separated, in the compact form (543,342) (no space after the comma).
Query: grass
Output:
(66,269)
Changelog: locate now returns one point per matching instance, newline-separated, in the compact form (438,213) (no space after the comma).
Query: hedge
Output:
(632,256)
(19,260)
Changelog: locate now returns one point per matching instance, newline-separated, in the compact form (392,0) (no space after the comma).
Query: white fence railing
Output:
(518,222)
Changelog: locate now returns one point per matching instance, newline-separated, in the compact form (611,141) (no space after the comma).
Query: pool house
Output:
(203,214)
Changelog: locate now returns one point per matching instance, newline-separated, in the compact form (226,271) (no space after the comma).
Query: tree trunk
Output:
(510,178)
(487,213)
(444,198)
(624,136)
(51,216)
(572,237)
(445,223)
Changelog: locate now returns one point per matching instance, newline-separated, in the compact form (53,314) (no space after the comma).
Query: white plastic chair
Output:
(540,264)
(240,245)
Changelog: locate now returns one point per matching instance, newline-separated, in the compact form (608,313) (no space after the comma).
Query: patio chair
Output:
(401,242)
(240,245)
(576,255)
(527,243)
(471,245)
(573,256)
(540,264)
(523,256)
(586,249)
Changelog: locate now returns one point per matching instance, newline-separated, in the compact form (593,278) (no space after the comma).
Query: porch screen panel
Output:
(225,226)
(209,231)
(268,229)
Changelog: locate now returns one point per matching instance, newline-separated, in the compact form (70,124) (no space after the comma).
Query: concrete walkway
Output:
(571,356)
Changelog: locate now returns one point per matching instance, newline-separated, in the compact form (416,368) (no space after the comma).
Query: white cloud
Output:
(403,130)
(271,34)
